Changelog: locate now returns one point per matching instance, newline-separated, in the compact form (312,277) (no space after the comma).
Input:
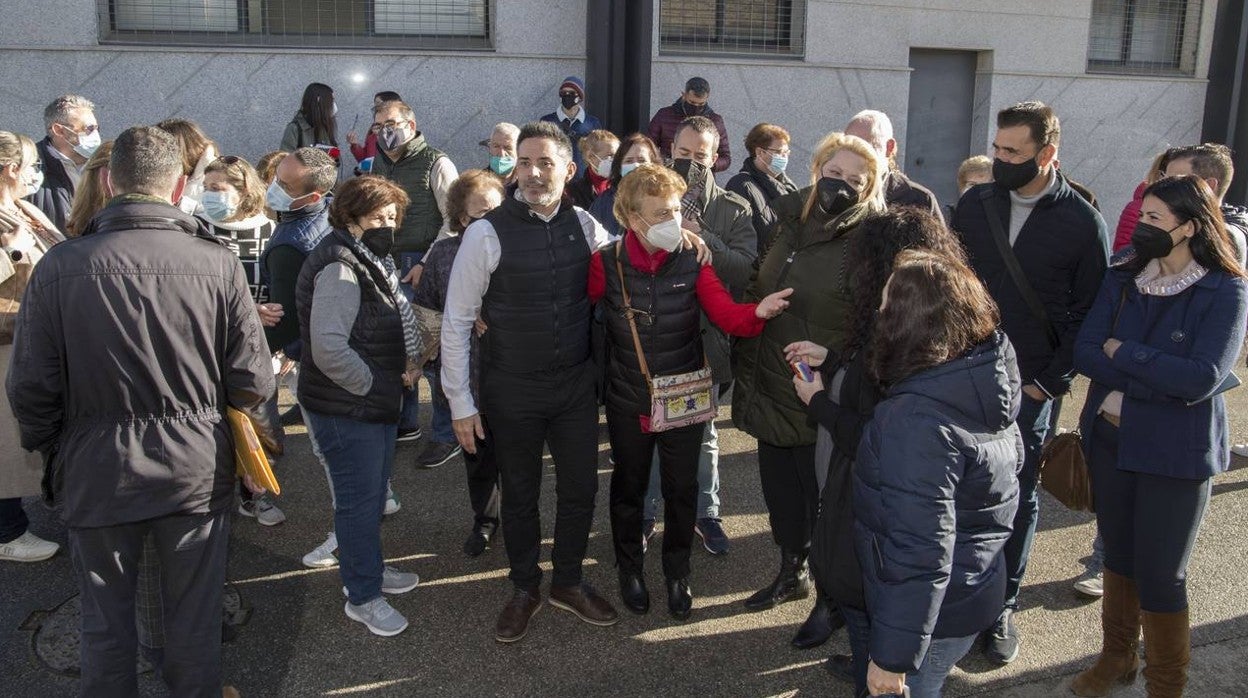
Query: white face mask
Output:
(603,168)
(87,143)
(33,181)
(665,235)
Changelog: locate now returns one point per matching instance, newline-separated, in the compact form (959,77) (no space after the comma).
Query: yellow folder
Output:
(249,454)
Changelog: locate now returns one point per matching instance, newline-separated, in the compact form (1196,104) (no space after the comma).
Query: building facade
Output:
(1127,77)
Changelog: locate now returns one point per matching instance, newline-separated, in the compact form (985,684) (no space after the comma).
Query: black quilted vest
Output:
(670,330)
(537,306)
(377,336)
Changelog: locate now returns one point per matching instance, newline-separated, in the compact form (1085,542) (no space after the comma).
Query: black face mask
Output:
(691,171)
(379,241)
(1014,176)
(835,196)
(693,109)
(1151,242)
(569,100)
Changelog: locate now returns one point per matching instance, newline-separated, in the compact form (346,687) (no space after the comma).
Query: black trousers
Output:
(482,468)
(13,521)
(192,554)
(633,451)
(1148,523)
(526,411)
(791,492)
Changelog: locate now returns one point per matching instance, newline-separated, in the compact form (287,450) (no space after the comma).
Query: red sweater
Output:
(368,150)
(1130,216)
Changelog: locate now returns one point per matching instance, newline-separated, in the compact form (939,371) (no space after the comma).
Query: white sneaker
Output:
(1092,586)
(394,581)
(392,503)
(378,616)
(28,548)
(1240,450)
(262,510)
(323,555)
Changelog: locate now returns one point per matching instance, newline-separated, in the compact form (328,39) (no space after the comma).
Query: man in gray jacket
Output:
(132,423)
(723,220)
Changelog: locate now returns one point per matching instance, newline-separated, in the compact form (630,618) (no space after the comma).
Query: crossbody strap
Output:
(1024,286)
(629,313)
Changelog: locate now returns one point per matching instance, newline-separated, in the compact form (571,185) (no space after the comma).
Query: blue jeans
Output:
(13,521)
(440,422)
(1033,422)
(360,456)
(410,417)
(942,654)
(708,479)
(858,628)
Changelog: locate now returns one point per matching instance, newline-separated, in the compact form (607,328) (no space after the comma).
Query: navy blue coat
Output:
(935,492)
(576,131)
(1175,350)
(56,196)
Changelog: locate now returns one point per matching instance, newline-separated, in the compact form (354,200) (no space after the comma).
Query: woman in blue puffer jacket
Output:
(935,485)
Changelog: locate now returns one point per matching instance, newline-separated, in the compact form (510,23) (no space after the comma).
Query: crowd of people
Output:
(900,364)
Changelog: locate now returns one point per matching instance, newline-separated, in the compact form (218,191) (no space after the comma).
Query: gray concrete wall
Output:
(857,57)
(243,98)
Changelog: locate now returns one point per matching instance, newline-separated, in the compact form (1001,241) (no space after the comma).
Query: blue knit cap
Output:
(575,83)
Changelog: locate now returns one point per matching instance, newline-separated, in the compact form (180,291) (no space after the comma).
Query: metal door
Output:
(938,128)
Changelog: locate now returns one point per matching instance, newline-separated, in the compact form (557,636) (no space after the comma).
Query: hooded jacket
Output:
(935,493)
(131,343)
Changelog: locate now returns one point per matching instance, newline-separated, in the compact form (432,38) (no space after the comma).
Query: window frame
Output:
(670,44)
(1182,63)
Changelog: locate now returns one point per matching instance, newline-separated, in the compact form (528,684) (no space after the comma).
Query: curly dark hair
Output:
(871,252)
(937,310)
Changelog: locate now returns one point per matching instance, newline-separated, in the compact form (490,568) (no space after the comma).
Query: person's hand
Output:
(480,326)
(352,138)
(413,275)
(773,304)
(694,242)
(1111,347)
(11,225)
(884,683)
(251,485)
(467,431)
(805,391)
(809,352)
(1035,393)
(270,313)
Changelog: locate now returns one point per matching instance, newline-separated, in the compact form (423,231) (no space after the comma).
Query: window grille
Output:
(1144,37)
(733,27)
(430,24)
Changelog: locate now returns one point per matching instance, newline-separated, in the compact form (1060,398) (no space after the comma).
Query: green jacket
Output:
(808,256)
(422,219)
(298,134)
(728,230)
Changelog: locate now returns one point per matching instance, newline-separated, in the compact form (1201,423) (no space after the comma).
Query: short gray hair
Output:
(145,160)
(511,130)
(59,110)
(322,173)
(880,126)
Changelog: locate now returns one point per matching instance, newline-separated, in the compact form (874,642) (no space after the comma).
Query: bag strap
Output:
(629,313)
(1024,286)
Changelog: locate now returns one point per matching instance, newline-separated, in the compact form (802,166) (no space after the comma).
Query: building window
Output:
(427,24)
(733,27)
(1146,37)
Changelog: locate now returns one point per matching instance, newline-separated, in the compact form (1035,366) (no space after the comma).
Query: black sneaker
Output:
(407,436)
(291,417)
(713,537)
(437,453)
(479,540)
(1001,640)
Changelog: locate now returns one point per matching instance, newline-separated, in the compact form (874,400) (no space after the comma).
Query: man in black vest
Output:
(524,269)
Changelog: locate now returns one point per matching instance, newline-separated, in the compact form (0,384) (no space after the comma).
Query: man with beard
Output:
(524,269)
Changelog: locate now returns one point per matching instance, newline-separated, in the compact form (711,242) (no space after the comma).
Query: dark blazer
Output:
(1175,350)
(935,493)
(56,195)
(1063,250)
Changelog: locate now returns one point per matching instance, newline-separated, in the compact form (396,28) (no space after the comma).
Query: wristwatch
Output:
(14,255)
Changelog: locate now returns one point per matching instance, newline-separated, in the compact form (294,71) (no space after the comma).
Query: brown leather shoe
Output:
(583,601)
(513,622)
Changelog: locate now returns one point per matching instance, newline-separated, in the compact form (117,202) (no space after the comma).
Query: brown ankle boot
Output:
(1167,651)
(1120,625)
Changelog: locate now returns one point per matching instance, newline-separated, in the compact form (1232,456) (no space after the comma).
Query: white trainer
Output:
(262,510)
(395,582)
(1092,586)
(1240,450)
(392,503)
(28,548)
(323,555)
(378,616)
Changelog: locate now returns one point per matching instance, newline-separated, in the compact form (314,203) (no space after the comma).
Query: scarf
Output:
(412,342)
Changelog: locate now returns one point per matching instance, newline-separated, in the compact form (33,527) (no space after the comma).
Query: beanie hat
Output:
(576,84)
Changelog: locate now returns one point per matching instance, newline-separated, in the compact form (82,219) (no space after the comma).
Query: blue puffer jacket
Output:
(935,491)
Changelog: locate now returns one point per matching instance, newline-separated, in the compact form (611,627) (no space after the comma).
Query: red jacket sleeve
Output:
(1130,216)
(597,278)
(736,319)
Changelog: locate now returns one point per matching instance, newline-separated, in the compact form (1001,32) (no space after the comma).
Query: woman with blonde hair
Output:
(807,253)
(233,202)
(198,151)
(92,192)
(25,235)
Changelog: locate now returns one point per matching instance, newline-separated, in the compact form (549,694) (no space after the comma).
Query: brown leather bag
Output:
(1064,472)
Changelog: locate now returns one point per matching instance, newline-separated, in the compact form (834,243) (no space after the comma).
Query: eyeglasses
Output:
(230,161)
(38,166)
(378,128)
(86,130)
(782,152)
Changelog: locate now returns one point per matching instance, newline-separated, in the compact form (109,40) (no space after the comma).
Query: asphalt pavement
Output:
(297,642)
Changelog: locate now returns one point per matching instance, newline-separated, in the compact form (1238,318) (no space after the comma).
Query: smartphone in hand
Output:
(803,371)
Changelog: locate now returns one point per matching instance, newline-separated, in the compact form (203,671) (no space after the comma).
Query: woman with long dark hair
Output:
(1159,344)
(316,122)
(935,482)
(843,409)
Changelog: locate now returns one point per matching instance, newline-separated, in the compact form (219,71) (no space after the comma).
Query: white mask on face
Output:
(603,168)
(33,181)
(665,235)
